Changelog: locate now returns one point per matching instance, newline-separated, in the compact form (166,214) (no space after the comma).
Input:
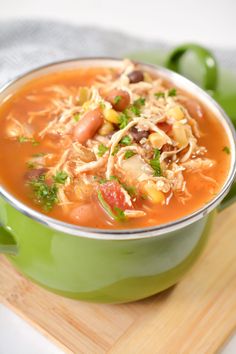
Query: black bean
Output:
(138,135)
(135,76)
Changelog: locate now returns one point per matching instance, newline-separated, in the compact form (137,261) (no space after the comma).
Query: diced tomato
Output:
(113,195)
(164,126)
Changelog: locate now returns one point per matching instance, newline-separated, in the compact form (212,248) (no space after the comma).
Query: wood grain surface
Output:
(196,316)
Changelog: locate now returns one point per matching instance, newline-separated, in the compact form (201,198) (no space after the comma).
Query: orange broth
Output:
(13,157)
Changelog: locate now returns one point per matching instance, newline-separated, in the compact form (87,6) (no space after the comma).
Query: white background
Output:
(206,21)
(210,22)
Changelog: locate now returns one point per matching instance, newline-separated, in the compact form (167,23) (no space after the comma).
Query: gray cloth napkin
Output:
(26,44)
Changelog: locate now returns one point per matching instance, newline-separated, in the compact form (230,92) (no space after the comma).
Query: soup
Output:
(111,148)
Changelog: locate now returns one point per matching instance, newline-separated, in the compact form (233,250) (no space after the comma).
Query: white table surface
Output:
(210,22)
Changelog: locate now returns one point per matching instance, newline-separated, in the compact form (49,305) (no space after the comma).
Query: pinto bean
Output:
(119,99)
(135,76)
(35,173)
(82,214)
(88,125)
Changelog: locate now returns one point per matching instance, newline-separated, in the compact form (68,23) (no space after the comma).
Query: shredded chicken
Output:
(92,166)
(198,164)
(63,200)
(134,213)
(59,164)
(175,176)
(113,143)
(15,129)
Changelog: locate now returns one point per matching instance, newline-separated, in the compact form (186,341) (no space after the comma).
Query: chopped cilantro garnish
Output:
(45,195)
(30,164)
(155,163)
(126,140)
(123,120)
(172,92)
(60,177)
(140,101)
(130,189)
(135,108)
(39,154)
(25,139)
(35,142)
(120,215)
(102,105)
(114,178)
(77,117)
(128,154)
(102,180)
(102,149)
(116,149)
(159,95)
(226,149)
(117,99)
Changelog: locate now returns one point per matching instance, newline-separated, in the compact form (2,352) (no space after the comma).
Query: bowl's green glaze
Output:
(102,270)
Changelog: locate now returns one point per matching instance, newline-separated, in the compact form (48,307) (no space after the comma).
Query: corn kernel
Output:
(86,105)
(153,194)
(106,129)
(156,140)
(84,95)
(176,112)
(111,116)
(147,77)
(179,134)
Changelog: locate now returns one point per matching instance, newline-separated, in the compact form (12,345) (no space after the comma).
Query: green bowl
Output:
(109,266)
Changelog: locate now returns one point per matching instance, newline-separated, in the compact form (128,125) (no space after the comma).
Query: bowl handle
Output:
(210,75)
(8,244)
(229,199)
(206,58)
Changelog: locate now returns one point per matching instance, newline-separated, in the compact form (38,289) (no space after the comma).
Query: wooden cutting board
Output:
(196,316)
